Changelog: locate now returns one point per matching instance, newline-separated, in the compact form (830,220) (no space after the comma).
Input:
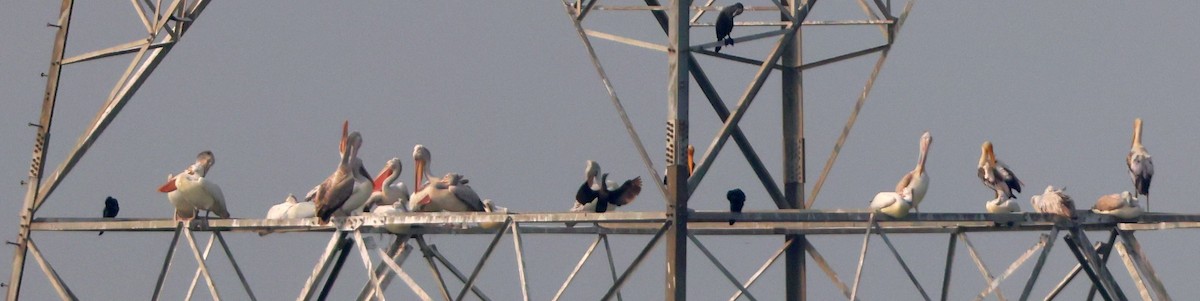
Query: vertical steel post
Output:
(796,280)
(40,146)
(678,66)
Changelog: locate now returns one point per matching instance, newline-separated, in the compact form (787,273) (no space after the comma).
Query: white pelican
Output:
(290,208)
(196,190)
(609,193)
(362,181)
(917,179)
(996,175)
(891,203)
(183,209)
(1141,169)
(1054,201)
(338,187)
(387,190)
(308,197)
(392,209)
(1120,205)
(1002,205)
(448,194)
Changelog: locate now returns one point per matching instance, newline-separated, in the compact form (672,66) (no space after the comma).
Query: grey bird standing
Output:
(737,199)
(725,24)
(110,209)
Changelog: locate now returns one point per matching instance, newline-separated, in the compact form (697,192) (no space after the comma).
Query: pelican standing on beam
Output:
(338,187)
(191,190)
(362,180)
(917,179)
(1141,168)
(387,190)
(996,175)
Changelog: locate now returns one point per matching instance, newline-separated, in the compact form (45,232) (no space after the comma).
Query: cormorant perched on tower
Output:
(110,209)
(737,199)
(725,23)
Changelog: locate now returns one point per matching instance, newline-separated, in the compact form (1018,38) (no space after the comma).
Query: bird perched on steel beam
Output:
(737,200)
(110,209)
(725,24)
(1121,205)
(1054,201)
(1141,169)
(996,175)
(918,179)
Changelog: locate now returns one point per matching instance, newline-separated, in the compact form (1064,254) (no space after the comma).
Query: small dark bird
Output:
(737,199)
(725,23)
(110,209)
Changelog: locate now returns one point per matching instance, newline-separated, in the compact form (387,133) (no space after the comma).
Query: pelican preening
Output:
(996,175)
(191,190)
(334,192)
(594,196)
(1121,205)
(725,24)
(308,197)
(917,180)
(1054,201)
(1141,168)
(891,203)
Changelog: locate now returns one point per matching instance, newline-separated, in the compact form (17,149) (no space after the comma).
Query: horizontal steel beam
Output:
(778,222)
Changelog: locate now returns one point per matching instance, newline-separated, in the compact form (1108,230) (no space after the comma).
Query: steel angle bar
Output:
(745,100)
(900,259)
(1103,249)
(141,13)
(824,265)
(212,285)
(949,265)
(586,9)
(196,277)
(752,37)
(518,247)
(761,269)
(738,59)
(470,283)
(387,260)
(1112,237)
(129,47)
(862,99)
(394,252)
(718,105)
(844,57)
(1037,267)
(429,253)
(1084,246)
(993,285)
(236,268)
(624,40)
(1143,291)
(457,274)
(612,267)
(612,92)
(637,261)
(60,287)
(983,270)
(322,266)
(862,257)
(162,274)
(722,268)
(366,259)
(1139,258)
(699,11)
(578,266)
(342,255)
(1088,268)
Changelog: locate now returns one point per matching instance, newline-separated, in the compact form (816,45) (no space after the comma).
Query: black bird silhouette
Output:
(110,209)
(725,23)
(737,199)
(619,196)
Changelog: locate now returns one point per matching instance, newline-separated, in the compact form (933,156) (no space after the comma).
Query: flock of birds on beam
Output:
(350,190)
(1003,182)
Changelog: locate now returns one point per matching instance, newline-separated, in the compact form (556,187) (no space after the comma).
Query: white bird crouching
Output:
(1121,205)
(892,204)
(1002,205)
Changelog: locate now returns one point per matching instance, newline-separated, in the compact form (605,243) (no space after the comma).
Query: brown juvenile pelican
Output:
(917,179)
(996,175)
(725,23)
(338,187)
(308,197)
(1141,169)
(362,181)
(191,190)
(1121,205)
(1054,201)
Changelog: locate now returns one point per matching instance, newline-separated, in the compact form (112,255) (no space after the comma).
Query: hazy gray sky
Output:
(504,93)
